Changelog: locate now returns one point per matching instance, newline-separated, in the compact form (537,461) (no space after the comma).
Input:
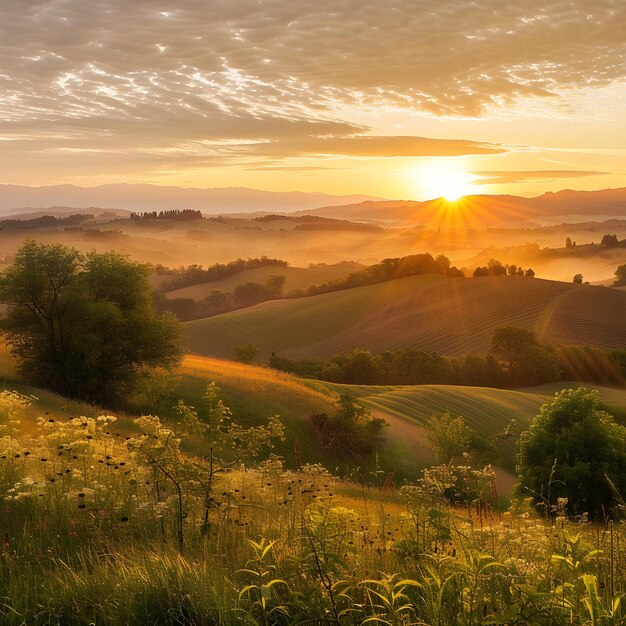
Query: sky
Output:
(406,99)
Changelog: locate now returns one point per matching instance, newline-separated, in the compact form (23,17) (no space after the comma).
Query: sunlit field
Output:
(446,315)
(96,531)
(312,313)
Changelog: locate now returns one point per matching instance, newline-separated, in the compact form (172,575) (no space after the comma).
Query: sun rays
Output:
(443,178)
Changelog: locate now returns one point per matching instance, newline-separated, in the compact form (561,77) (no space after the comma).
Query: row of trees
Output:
(196,274)
(219,301)
(179,215)
(251,293)
(495,268)
(516,358)
(388,269)
(46,221)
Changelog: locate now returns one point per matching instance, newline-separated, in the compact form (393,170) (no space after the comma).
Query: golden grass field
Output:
(453,316)
(405,408)
(255,393)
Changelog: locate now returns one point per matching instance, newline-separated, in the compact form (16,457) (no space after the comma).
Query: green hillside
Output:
(254,393)
(295,277)
(487,410)
(452,316)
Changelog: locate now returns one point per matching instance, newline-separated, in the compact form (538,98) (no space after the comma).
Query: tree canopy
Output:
(84,325)
(526,361)
(574,450)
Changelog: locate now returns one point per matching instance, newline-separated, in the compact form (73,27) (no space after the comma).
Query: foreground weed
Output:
(265,598)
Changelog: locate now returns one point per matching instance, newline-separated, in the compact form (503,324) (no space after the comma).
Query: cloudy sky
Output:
(395,98)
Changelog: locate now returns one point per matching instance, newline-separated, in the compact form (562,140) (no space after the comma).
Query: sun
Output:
(443,179)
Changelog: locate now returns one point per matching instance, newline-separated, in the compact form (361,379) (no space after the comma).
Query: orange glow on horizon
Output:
(443,178)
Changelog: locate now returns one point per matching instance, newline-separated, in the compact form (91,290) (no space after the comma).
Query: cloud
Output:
(196,80)
(502,177)
(377,146)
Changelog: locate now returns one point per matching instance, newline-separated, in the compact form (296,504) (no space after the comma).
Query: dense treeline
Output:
(387,269)
(180,215)
(196,274)
(218,301)
(611,241)
(495,268)
(45,221)
(516,359)
(403,367)
(250,293)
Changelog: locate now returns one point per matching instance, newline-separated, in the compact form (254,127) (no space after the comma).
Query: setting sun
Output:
(443,179)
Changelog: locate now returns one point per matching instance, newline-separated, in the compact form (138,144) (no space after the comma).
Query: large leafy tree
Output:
(84,325)
(525,360)
(574,450)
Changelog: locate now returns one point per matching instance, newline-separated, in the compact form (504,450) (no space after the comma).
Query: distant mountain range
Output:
(485,210)
(471,211)
(142,197)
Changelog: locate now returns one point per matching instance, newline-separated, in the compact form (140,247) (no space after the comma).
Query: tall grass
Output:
(100,543)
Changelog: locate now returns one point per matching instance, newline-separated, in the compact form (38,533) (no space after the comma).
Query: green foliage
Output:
(352,433)
(227,438)
(620,272)
(249,294)
(275,284)
(449,436)
(247,353)
(406,366)
(610,241)
(578,279)
(84,325)
(195,274)
(526,361)
(574,451)
(99,544)
(389,269)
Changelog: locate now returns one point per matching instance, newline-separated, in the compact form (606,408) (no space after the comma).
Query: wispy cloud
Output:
(155,83)
(502,177)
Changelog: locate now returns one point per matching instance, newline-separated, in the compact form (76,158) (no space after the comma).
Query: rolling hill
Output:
(145,197)
(484,210)
(485,409)
(296,278)
(254,393)
(453,316)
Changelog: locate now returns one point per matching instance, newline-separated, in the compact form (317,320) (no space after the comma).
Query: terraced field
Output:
(296,278)
(452,316)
